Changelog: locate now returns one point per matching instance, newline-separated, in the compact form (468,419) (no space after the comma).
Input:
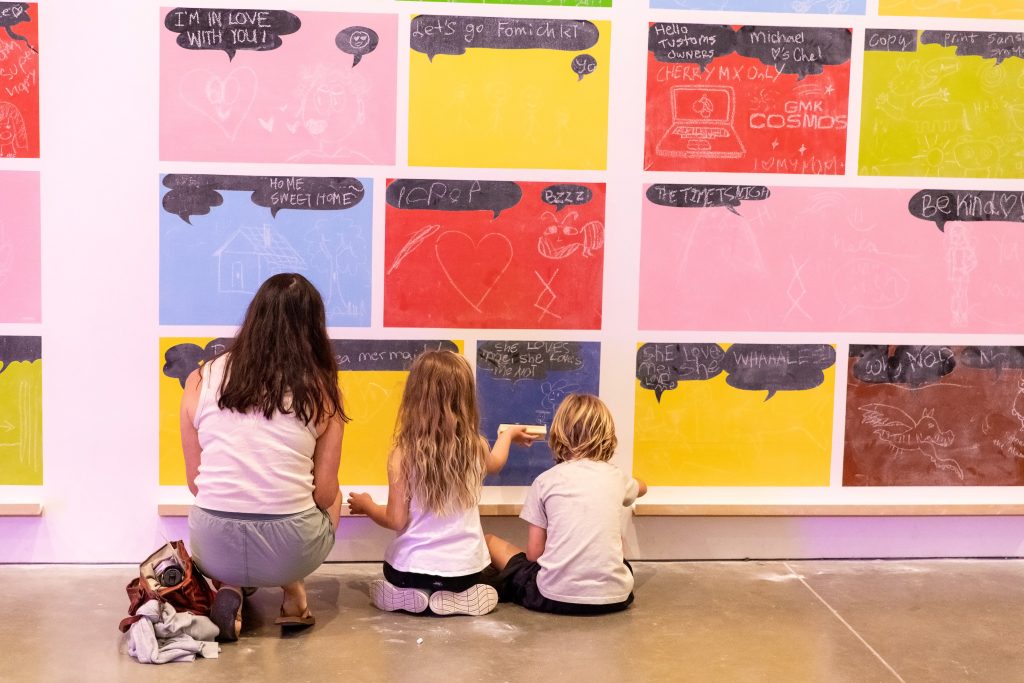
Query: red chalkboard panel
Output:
(488,254)
(19,79)
(752,99)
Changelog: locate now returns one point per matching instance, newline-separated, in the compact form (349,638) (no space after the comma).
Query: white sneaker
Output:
(476,600)
(391,598)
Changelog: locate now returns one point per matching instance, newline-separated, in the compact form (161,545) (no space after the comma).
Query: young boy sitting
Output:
(573,561)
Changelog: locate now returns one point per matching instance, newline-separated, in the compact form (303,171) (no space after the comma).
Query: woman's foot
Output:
(294,610)
(391,598)
(226,613)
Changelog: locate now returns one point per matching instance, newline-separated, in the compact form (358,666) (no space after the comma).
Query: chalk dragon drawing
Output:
(904,434)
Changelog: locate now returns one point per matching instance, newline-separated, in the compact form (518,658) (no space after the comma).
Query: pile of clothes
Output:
(163,635)
(169,604)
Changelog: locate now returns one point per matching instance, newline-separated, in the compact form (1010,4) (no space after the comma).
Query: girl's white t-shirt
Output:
(250,464)
(450,545)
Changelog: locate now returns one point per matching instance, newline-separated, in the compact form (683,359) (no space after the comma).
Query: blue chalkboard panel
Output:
(522,382)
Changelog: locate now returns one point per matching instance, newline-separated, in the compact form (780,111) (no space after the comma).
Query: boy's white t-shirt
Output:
(579,503)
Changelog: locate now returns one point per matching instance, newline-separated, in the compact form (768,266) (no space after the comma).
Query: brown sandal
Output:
(295,622)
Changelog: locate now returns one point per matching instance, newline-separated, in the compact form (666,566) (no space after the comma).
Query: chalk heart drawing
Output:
(225,101)
(473,268)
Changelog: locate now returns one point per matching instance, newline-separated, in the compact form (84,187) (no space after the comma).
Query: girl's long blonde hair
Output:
(442,457)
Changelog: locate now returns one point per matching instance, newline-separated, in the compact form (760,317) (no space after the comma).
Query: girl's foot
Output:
(475,601)
(391,598)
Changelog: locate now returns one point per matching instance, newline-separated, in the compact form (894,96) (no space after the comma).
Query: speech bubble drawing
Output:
(777,367)
(996,358)
(800,51)
(996,45)
(916,366)
(307,193)
(945,206)
(660,367)
(889,40)
(12,14)
(196,195)
(515,360)
(583,65)
(690,43)
(872,364)
(230,30)
(706,196)
(435,35)
(357,41)
(181,359)
(19,350)
(453,195)
(561,196)
(369,355)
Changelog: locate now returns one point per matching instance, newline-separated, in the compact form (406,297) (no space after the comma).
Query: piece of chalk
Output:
(539,430)
(419,641)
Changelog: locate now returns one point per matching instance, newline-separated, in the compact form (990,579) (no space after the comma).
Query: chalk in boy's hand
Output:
(524,435)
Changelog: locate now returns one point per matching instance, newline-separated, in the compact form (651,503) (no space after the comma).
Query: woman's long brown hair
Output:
(441,456)
(281,359)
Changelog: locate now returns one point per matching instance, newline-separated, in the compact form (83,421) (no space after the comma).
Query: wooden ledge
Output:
(492,510)
(21,509)
(950,510)
(667,510)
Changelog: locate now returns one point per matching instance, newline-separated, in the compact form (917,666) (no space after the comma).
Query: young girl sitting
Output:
(573,561)
(435,477)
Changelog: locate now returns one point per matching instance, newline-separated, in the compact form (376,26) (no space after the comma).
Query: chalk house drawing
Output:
(250,256)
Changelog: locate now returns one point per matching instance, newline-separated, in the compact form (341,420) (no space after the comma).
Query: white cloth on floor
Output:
(163,635)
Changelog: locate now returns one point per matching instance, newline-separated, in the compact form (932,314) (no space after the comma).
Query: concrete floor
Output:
(706,621)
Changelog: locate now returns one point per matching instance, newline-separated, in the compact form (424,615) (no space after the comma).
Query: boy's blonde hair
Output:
(582,428)
(442,457)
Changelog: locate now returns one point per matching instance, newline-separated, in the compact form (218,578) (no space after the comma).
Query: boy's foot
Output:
(391,598)
(475,601)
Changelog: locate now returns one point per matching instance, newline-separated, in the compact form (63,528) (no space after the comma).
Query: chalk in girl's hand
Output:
(539,430)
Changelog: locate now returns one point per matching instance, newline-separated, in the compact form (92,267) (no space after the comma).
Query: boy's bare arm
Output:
(536,538)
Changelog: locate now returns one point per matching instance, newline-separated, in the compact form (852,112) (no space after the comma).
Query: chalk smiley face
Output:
(359,40)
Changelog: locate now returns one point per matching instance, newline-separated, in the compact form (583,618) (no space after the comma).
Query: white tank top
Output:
(441,546)
(251,464)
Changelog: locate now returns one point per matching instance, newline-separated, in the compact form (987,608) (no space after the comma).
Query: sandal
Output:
(296,622)
(227,603)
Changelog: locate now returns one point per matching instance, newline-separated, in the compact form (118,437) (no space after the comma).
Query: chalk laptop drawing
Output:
(702,124)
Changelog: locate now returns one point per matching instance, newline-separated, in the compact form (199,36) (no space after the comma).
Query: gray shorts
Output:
(259,550)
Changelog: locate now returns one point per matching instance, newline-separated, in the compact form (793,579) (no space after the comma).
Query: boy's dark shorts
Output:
(518,583)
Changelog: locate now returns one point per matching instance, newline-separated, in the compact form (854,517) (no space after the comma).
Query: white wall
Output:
(100,167)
